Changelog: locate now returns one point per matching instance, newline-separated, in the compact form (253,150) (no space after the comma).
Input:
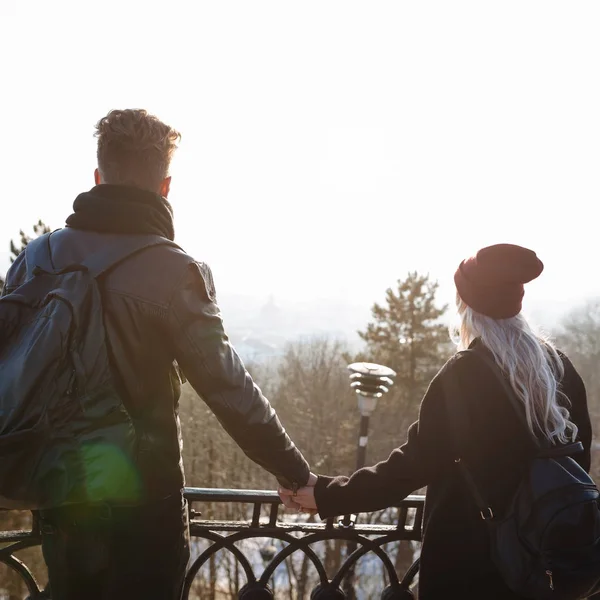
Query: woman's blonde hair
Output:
(531,363)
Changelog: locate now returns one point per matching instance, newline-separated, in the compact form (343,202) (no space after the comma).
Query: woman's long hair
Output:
(531,364)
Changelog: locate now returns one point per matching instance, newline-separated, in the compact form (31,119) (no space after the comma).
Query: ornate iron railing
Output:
(296,534)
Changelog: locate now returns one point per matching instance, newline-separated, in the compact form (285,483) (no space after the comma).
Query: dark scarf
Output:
(112,208)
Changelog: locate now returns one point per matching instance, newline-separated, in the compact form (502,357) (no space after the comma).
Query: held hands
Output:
(303,500)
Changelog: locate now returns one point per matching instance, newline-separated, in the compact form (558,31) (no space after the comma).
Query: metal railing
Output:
(265,519)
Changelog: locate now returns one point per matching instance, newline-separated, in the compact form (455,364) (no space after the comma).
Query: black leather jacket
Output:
(161,315)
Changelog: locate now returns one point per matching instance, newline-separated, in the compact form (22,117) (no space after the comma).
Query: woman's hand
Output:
(304,499)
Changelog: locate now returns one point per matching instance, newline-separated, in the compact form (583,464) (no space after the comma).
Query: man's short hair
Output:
(135,148)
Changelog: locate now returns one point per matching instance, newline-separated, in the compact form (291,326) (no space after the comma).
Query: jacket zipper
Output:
(551,582)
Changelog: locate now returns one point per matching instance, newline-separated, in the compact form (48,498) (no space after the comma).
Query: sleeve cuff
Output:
(325,507)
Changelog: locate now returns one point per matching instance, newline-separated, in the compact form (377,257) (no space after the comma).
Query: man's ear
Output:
(165,187)
(97,176)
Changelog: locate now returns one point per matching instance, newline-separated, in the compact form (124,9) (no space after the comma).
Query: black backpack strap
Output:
(106,259)
(458,418)
(560,451)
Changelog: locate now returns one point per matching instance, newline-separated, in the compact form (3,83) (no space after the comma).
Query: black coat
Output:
(455,557)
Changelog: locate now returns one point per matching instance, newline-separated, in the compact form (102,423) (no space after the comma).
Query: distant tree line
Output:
(309,388)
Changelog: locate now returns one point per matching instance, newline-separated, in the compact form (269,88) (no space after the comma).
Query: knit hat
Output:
(491,282)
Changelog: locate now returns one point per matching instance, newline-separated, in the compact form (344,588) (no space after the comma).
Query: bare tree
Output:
(15,249)
(578,335)
(314,401)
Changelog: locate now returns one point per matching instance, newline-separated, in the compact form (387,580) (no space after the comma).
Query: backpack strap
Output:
(459,420)
(561,451)
(104,260)
(37,255)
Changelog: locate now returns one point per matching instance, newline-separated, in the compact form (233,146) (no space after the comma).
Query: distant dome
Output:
(270,314)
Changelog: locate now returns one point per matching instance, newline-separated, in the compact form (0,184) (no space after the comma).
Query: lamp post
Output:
(370,382)
(267,553)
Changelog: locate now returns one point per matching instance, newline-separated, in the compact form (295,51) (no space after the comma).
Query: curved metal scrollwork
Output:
(299,538)
(19,540)
(295,537)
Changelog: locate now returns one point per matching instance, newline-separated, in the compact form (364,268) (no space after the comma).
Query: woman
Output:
(455,556)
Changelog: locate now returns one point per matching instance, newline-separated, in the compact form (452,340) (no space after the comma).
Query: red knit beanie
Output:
(491,282)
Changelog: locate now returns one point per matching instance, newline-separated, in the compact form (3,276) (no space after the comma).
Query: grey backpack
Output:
(65,435)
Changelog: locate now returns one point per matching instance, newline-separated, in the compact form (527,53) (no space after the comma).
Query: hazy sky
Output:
(328,146)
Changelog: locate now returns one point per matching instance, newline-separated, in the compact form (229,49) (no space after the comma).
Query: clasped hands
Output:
(303,500)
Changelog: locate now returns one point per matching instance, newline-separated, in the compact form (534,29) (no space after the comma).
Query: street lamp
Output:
(267,553)
(370,382)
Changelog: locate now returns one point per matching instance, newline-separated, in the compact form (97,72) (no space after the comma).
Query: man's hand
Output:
(286,499)
(303,500)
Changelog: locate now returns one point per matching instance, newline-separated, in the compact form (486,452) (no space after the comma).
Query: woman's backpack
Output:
(547,545)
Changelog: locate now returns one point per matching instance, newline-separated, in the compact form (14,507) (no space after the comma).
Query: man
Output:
(161,320)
